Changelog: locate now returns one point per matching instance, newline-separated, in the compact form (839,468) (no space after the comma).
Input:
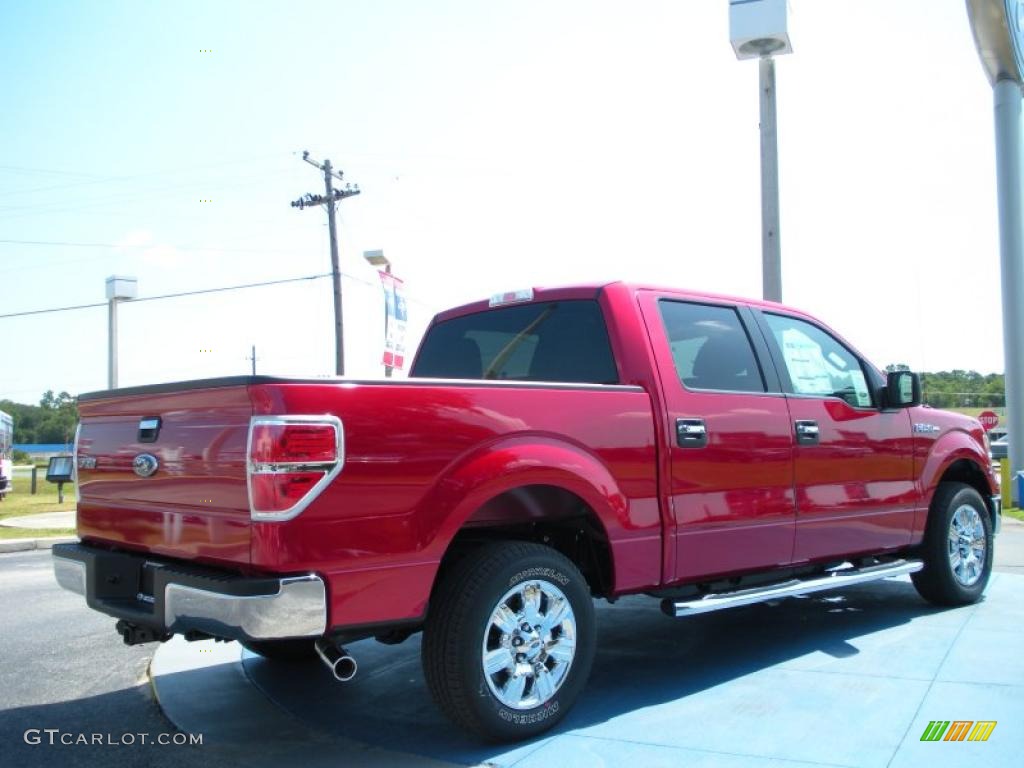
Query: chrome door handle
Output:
(807,432)
(691,433)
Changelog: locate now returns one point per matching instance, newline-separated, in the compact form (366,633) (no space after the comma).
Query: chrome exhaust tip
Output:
(337,659)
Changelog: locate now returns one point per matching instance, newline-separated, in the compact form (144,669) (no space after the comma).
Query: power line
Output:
(145,245)
(170,295)
(205,290)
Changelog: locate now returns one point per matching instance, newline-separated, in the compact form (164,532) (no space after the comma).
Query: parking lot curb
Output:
(24,545)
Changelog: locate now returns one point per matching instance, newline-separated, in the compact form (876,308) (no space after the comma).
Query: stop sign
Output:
(988,419)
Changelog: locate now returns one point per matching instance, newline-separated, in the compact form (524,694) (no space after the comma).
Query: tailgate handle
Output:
(149,429)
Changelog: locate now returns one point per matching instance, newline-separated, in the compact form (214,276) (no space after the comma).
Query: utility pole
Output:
(331,197)
(253,358)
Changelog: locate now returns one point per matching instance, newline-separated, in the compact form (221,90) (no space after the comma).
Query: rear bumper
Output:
(171,597)
(995,506)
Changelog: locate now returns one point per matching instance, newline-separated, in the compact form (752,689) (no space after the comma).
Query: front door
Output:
(855,492)
(731,446)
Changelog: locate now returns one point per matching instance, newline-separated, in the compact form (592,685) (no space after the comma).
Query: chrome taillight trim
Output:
(330,469)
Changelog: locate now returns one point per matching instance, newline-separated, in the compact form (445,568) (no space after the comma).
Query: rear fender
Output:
(512,463)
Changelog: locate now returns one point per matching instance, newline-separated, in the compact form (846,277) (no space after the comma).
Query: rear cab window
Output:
(556,341)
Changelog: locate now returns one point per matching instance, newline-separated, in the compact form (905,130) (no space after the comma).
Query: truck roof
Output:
(592,290)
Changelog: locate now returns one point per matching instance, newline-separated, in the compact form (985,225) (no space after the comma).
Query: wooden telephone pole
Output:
(331,197)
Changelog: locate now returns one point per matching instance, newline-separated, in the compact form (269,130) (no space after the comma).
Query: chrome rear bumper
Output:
(171,597)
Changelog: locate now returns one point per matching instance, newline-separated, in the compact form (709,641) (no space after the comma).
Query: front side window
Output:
(560,341)
(817,363)
(710,348)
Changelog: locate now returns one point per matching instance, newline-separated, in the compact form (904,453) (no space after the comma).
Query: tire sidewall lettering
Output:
(539,573)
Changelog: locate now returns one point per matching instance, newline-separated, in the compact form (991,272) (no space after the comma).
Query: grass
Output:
(20,501)
(1015,512)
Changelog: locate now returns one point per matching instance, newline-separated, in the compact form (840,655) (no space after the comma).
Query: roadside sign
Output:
(989,420)
(395,318)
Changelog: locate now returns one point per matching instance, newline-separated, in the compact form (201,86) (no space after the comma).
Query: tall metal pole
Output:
(771,257)
(339,328)
(388,370)
(1009,180)
(112,344)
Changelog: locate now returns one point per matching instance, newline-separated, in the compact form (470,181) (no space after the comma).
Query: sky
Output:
(496,146)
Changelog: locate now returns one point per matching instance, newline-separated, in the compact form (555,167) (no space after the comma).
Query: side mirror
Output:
(902,389)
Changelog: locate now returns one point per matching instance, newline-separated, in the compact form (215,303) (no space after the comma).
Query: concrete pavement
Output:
(62,519)
(848,678)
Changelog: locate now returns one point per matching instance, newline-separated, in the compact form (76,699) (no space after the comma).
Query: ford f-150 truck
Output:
(551,446)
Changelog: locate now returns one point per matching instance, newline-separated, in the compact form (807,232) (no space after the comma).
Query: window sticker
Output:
(837,361)
(860,387)
(806,365)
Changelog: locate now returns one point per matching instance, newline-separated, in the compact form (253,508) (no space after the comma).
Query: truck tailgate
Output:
(195,504)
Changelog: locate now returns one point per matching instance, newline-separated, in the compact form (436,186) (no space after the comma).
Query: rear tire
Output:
(509,640)
(289,650)
(957,547)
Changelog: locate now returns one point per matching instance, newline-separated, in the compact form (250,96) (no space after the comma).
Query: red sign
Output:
(988,419)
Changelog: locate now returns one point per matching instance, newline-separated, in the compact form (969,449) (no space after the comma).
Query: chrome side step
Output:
(840,577)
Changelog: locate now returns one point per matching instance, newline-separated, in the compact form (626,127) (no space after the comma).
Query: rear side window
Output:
(548,341)
(710,348)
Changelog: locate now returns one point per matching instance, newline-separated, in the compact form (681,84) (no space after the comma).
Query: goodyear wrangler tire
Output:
(509,640)
(957,547)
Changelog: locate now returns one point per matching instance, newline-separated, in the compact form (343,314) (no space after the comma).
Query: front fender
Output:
(947,449)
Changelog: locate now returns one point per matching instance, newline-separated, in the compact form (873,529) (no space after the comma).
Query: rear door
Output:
(731,447)
(853,462)
(194,502)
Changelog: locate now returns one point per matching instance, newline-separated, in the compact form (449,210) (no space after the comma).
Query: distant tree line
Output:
(52,421)
(960,389)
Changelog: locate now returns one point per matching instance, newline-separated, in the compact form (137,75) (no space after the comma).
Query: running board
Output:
(843,577)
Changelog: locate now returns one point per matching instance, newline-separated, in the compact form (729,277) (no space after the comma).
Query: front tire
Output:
(509,640)
(957,547)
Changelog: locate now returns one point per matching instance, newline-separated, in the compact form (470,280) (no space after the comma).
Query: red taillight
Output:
(291,459)
(277,492)
(293,443)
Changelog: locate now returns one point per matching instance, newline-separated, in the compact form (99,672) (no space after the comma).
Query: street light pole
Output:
(378,259)
(112,344)
(118,289)
(758,29)
(771,249)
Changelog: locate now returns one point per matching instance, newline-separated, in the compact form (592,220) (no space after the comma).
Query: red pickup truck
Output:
(550,447)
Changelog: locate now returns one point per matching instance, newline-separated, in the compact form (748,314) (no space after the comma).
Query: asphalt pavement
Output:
(65,668)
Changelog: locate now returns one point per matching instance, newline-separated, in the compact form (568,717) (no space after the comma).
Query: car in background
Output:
(1000,448)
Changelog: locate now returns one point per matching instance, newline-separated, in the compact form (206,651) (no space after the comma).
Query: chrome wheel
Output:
(529,644)
(966,545)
